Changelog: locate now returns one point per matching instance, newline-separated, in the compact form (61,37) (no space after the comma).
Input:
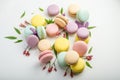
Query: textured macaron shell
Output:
(28,31)
(41,32)
(80,47)
(79,66)
(38,20)
(82,15)
(71,27)
(83,33)
(61,44)
(53,9)
(71,57)
(85,40)
(61,59)
(45,56)
(32,41)
(73,9)
(61,21)
(44,44)
(52,30)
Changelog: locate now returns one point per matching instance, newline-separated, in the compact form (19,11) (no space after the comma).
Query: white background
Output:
(104,14)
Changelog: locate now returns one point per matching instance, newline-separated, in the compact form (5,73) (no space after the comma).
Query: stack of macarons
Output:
(37,32)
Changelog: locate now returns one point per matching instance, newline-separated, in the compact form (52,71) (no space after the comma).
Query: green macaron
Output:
(41,32)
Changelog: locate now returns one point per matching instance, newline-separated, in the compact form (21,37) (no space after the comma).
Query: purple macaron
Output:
(32,41)
(53,9)
(83,33)
(71,27)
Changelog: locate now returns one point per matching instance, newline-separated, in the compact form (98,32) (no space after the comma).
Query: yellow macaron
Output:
(86,40)
(61,44)
(38,20)
(79,66)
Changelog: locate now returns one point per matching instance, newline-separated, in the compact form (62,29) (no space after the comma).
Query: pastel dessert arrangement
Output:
(39,28)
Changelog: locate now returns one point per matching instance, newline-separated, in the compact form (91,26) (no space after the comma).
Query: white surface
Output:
(105,14)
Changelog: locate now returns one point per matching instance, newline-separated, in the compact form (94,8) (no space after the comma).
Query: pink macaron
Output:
(53,9)
(45,56)
(71,27)
(83,33)
(80,47)
(52,30)
(32,41)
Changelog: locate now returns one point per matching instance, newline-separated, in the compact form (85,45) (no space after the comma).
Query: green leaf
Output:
(88,64)
(49,21)
(61,10)
(17,30)
(54,50)
(11,37)
(41,9)
(91,27)
(90,34)
(23,14)
(90,50)
(18,41)
(67,36)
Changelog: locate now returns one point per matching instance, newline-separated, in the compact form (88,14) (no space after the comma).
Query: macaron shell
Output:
(71,27)
(32,41)
(85,40)
(61,59)
(41,32)
(53,9)
(52,30)
(79,66)
(80,47)
(82,15)
(83,33)
(44,44)
(38,20)
(72,9)
(61,44)
(46,58)
(71,57)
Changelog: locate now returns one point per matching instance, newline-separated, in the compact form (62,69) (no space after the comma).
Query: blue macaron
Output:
(82,15)
(29,30)
(61,60)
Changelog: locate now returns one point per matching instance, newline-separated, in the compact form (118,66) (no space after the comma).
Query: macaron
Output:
(52,30)
(32,41)
(61,21)
(38,20)
(53,10)
(41,32)
(29,30)
(79,66)
(61,59)
(80,47)
(71,57)
(83,33)
(85,40)
(45,56)
(73,9)
(61,44)
(82,15)
(71,27)
(44,44)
